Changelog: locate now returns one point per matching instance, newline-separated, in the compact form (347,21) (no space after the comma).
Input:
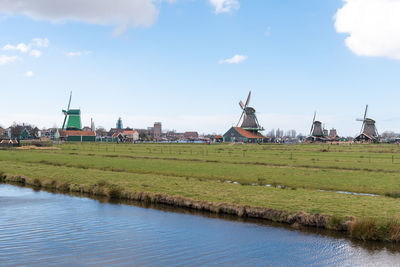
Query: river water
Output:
(39,228)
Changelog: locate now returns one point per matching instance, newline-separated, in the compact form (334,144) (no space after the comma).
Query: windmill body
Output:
(317,132)
(368,129)
(317,129)
(250,121)
(249,130)
(72,120)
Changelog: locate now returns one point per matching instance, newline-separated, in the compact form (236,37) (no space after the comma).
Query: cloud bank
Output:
(372,26)
(120,13)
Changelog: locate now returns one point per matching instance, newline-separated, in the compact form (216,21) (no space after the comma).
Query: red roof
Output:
(248,134)
(77,133)
(217,136)
(128,132)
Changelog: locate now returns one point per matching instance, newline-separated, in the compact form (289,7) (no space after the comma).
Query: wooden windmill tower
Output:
(316,132)
(72,118)
(316,128)
(368,130)
(250,122)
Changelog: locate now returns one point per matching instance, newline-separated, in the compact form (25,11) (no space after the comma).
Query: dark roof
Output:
(249,134)
(366,135)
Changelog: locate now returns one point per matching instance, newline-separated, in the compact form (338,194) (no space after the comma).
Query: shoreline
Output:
(355,228)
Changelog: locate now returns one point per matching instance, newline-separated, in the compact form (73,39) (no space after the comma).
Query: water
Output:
(42,228)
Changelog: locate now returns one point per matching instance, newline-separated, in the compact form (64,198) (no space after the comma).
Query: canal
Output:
(39,228)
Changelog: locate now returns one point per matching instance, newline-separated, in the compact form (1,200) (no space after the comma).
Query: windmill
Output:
(368,130)
(72,117)
(316,128)
(250,121)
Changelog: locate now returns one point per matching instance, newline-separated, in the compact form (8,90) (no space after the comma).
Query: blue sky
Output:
(174,62)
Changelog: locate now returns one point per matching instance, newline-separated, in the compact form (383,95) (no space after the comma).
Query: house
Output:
(25,135)
(216,138)
(191,135)
(9,143)
(128,136)
(75,135)
(238,134)
(48,134)
(117,137)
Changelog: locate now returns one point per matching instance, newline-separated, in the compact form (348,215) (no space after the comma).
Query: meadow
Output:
(294,179)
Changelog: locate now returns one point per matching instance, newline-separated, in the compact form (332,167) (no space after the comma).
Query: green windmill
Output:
(72,117)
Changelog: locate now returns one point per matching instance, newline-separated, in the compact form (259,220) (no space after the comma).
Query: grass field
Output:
(300,178)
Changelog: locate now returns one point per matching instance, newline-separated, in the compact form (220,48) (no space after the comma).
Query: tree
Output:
(100,131)
(16,130)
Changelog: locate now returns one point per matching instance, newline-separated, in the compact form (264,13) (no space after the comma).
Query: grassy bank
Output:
(195,176)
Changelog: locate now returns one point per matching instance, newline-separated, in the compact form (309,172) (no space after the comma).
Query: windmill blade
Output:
(365,113)
(248,99)
(313,120)
(358,119)
(64,121)
(362,127)
(240,118)
(241,104)
(69,103)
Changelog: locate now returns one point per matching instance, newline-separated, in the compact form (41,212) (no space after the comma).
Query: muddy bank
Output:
(362,229)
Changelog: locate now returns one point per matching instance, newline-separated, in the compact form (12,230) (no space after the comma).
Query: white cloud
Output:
(373,27)
(35,53)
(78,53)
(23,48)
(225,6)
(120,13)
(38,42)
(28,74)
(4,59)
(236,59)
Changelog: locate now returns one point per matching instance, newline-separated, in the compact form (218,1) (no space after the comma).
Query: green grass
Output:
(198,172)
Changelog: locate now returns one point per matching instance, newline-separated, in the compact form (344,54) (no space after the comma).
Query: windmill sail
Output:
(250,121)
(368,130)
(72,117)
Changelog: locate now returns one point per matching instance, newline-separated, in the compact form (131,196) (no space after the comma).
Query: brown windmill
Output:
(250,122)
(368,129)
(316,128)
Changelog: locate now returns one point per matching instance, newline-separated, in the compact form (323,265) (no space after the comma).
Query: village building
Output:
(127,136)
(48,134)
(191,136)
(216,138)
(8,143)
(238,134)
(78,136)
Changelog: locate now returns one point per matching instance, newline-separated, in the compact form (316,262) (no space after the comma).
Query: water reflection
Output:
(38,228)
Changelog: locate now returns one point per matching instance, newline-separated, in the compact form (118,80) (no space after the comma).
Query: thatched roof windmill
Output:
(316,128)
(72,118)
(250,122)
(368,130)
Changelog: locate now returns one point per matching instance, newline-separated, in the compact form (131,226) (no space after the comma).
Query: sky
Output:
(187,63)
